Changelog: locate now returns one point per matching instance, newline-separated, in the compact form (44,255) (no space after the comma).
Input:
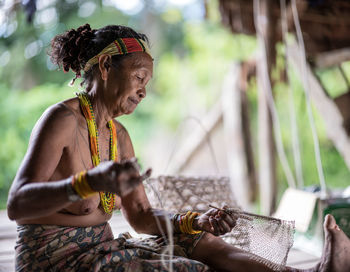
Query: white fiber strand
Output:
(308,104)
(169,249)
(292,113)
(268,89)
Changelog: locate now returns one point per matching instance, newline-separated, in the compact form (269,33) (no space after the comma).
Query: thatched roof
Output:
(325,23)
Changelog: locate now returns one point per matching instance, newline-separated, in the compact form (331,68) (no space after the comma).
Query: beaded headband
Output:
(120,46)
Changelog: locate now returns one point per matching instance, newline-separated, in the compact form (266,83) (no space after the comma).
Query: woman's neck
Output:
(99,107)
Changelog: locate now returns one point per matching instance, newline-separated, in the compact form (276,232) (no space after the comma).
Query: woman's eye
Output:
(138,77)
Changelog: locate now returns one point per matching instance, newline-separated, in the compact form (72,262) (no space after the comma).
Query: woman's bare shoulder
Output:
(119,126)
(71,104)
(122,133)
(66,108)
(57,118)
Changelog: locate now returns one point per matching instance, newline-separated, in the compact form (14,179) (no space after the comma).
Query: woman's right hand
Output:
(120,178)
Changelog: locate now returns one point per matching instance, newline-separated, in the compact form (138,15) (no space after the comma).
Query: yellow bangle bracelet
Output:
(192,217)
(81,186)
(186,222)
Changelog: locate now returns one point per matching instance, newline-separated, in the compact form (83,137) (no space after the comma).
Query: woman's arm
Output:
(140,215)
(30,194)
(135,206)
(143,218)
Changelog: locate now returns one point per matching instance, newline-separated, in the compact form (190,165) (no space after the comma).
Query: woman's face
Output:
(127,86)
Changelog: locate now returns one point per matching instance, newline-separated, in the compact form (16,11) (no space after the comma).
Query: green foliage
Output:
(192,80)
(330,157)
(336,172)
(33,63)
(333,81)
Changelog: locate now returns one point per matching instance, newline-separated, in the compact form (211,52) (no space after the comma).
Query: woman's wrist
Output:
(176,222)
(92,182)
(195,225)
(72,195)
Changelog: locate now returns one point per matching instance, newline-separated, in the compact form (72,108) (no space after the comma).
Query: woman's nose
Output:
(141,93)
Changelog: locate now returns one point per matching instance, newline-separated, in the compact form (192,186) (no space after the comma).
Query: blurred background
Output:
(193,53)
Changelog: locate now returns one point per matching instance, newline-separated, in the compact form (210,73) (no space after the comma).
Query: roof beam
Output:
(331,58)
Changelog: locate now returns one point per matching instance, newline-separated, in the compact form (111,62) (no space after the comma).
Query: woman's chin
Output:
(129,108)
(129,111)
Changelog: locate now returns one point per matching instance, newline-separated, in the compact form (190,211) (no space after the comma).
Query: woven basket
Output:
(183,193)
(269,241)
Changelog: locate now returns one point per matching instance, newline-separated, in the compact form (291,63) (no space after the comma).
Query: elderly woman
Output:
(79,167)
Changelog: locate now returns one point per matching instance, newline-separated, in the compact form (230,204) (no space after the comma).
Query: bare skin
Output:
(59,148)
(336,254)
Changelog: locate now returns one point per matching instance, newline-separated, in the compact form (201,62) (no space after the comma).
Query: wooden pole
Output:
(237,139)
(267,159)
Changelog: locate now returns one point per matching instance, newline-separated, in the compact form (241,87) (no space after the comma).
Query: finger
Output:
(135,181)
(132,164)
(133,159)
(224,226)
(230,220)
(212,212)
(130,168)
(116,168)
(146,174)
(127,172)
(136,164)
(228,210)
(112,174)
(218,221)
(143,177)
(161,241)
(214,226)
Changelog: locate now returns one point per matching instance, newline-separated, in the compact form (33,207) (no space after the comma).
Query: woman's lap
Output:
(53,248)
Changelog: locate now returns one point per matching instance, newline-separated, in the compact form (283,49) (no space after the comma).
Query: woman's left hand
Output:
(215,221)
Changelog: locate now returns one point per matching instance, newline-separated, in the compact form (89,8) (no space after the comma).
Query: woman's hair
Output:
(72,49)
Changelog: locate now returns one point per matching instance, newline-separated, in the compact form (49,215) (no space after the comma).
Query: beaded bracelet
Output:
(81,186)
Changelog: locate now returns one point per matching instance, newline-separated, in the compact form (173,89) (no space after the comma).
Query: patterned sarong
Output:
(57,248)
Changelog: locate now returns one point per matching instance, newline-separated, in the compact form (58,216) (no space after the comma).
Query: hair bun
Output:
(72,49)
(69,49)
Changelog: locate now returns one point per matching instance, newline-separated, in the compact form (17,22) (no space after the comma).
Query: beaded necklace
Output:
(107,198)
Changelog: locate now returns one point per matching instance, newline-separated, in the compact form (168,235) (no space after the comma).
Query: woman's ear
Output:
(104,65)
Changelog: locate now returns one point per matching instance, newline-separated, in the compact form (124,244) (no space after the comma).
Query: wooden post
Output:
(237,139)
(267,159)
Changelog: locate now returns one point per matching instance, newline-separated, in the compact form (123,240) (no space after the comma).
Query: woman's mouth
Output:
(133,100)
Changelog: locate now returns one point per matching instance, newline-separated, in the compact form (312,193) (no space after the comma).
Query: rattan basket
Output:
(183,193)
(255,234)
